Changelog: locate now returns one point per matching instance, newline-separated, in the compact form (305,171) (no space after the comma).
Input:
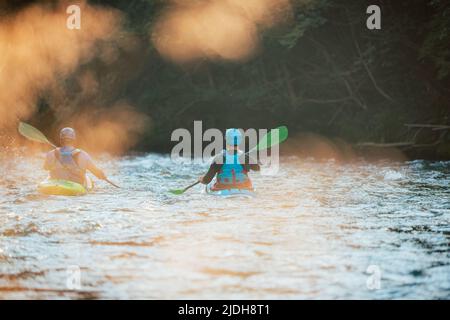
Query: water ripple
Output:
(312,233)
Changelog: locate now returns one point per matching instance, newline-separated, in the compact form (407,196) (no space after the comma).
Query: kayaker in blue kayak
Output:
(69,163)
(231,167)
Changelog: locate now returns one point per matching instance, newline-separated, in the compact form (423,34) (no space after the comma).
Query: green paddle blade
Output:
(177,192)
(32,133)
(181,191)
(274,137)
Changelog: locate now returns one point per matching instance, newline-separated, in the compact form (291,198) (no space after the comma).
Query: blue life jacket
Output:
(67,167)
(232,173)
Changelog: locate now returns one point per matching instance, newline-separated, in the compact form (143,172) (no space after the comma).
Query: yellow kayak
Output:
(64,187)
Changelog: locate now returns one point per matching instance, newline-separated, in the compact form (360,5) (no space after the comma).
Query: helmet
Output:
(67,134)
(233,137)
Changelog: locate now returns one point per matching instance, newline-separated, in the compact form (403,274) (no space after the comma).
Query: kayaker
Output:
(231,167)
(69,163)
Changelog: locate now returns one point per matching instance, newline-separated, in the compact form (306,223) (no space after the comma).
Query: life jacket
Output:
(67,167)
(232,174)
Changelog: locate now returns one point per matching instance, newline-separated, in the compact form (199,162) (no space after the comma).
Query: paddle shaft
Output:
(51,144)
(111,183)
(192,185)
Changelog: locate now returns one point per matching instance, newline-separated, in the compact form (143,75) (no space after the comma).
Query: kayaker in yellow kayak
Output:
(69,163)
(231,167)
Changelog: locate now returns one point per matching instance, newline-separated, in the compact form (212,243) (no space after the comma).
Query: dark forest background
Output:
(321,72)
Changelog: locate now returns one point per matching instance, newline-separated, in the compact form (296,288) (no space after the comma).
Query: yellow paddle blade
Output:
(33,134)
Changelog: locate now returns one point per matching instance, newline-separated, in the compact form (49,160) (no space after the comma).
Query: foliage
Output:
(324,72)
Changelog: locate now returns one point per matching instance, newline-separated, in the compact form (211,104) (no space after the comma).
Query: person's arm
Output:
(96,171)
(213,169)
(48,164)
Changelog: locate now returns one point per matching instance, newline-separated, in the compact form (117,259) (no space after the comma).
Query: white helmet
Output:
(68,134)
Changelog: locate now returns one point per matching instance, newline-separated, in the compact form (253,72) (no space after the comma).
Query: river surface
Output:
(317,230)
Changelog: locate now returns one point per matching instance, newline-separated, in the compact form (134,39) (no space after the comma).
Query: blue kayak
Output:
(230,193)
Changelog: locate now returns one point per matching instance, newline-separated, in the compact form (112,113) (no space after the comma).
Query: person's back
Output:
(69,163)
(62,163)
(231,167)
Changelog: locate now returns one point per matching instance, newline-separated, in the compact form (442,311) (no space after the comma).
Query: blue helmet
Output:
(233,137)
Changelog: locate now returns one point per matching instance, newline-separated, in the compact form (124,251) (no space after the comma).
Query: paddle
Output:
(33,134)
(269,140)
(181,191)
(111,183)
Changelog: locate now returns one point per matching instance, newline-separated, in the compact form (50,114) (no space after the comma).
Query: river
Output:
(317,230)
